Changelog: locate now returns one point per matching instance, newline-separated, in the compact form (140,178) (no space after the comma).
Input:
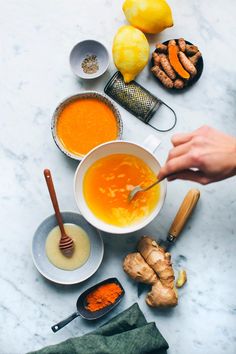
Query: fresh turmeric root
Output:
(191,49)
(167,67)
(174,60)
(175,64)
(161,75)
(179,84)
(161,48)
(187,64)
(152,265)
(182,44)
(194,59)
(156,58)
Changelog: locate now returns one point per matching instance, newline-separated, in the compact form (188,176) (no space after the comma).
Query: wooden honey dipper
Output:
(66,243)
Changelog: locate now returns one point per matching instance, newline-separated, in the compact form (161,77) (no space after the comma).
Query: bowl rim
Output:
(89,93)
(112,229)
(66,282)
(95,75)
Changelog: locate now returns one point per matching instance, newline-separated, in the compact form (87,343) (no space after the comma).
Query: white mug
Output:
(118,147)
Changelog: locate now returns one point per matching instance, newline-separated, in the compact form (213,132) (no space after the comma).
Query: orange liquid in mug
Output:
(84,124)
(107,184)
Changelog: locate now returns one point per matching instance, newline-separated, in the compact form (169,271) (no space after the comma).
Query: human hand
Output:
(204,156)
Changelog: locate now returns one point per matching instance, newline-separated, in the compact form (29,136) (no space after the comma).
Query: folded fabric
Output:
(127,333)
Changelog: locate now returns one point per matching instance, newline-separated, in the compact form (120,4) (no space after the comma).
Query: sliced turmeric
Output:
(174,60)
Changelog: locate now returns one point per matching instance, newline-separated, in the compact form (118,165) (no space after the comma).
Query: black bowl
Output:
(192,81)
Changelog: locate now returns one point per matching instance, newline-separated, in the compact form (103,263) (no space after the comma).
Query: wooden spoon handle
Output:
(52,193)
(183,213)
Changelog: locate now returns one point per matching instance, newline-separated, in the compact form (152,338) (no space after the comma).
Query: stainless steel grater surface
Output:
(135,99)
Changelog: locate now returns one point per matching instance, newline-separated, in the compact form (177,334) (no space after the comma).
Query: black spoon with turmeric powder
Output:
(95,302)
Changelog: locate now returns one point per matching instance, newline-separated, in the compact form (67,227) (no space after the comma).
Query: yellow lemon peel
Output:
(150,16)
(130,52)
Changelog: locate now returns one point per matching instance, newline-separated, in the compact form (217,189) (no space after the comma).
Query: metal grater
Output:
(135,99)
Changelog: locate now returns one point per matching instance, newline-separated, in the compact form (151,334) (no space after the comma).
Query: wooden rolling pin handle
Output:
(183,213)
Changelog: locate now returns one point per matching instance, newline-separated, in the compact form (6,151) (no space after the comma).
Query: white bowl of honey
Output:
(104,179)
(56,267)
(84,121)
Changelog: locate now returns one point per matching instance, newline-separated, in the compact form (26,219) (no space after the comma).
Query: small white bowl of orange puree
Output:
(84,121)
(104,179)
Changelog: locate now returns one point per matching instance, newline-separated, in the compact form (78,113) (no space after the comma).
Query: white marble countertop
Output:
(36,38)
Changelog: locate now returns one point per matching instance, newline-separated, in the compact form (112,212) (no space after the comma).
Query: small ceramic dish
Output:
(57,275)
(85,49)
(199,67)
(86,94)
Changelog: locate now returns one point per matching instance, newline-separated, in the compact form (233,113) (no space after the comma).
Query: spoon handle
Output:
(52,193)
(64,322)
(152,185)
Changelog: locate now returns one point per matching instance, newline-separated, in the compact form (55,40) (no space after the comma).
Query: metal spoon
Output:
(66,243)
(138,189)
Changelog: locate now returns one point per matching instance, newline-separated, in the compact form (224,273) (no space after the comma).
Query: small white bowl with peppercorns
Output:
(89,59)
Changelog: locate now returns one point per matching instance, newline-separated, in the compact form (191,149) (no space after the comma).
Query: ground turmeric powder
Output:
(103,296)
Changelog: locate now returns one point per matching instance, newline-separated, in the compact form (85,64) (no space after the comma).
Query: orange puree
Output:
(107,184)
(84,124)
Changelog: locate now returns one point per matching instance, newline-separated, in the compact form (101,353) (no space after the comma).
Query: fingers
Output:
(181,138)
(179,150)
(188,153)
(176,165)
(195,176)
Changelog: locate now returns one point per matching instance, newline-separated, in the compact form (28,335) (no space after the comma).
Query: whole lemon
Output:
(150,16)
(130,52)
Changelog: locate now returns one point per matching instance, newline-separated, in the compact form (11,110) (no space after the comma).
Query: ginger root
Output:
(152,265)
(135,265)
(182,278)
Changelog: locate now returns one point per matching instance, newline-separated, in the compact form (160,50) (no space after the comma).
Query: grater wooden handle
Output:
(184,212)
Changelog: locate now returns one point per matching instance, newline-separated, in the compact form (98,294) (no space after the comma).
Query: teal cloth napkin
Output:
(127,333)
